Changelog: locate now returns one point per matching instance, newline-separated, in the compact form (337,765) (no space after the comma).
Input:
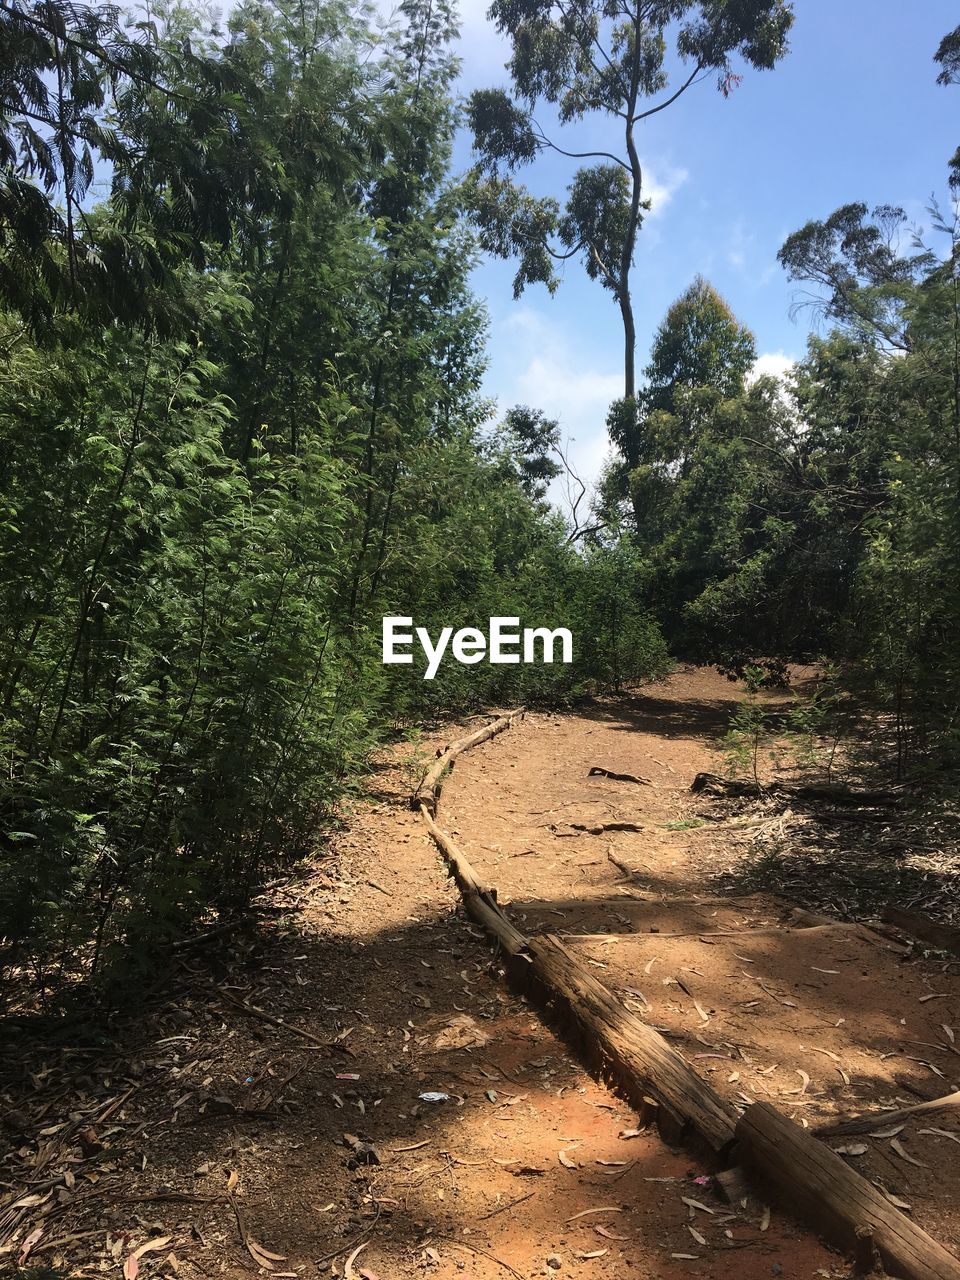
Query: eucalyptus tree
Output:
(166,122)
(897,299)
(699,346)
(622,61)
(948,56)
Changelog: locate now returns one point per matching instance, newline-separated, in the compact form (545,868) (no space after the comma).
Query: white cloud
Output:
(739,245)
(774,363)
(660,189)
(551,373)
(580,395)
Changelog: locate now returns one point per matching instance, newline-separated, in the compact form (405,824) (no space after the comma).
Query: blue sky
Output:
(852,113)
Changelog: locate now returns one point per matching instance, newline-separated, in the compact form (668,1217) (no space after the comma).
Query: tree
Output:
(948,55)
(860,274)
(218,474)
(628,63)
(534,438)
(700,347)
(173,120)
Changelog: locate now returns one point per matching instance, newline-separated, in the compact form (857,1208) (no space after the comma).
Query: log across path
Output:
(808,1177)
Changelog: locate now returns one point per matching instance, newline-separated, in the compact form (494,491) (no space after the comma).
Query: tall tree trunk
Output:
(630,241)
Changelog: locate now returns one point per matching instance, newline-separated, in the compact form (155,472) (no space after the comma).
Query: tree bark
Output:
(816,1183)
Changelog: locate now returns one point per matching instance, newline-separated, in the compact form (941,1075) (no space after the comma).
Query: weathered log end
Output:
(816,1184)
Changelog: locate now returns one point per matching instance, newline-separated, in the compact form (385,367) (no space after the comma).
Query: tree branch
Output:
(579,155)
(603,53)
(661,106)
(98,54)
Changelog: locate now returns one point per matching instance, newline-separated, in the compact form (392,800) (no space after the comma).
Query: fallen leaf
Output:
(348,1271)
(854,1149)
(30,1241)
(898,1148)
(232,1180)
(826,1052)
(887,1133)
(566,1161)
(461,1032)
(159,1242)
(695,1204)
(942,1133)
(263,1257)
(607,1208)
(131,1268)
(608,1235)
(696,1235)
(765,1220)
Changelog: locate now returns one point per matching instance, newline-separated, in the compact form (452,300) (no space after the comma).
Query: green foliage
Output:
(699,359)
(622,65)
(535,441)
(748,727)
(240,421)
(817,723)
(699,344)
(818,516)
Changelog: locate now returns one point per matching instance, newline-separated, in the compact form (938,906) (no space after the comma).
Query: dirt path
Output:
(219,1133)
(825,1023)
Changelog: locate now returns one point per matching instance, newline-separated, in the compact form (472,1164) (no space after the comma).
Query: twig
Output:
(254,1012)
(173,1197)
(209,935)
(630,872)
(361,1238)
(480,1252)
(511,1204)
(861,1123)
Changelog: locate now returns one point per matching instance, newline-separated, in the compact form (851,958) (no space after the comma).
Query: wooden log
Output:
(942,936)
(880,1119)
(814,792)
(488,915)
(428,792)
(639,1058)
(564,906)
(814,920)
(466,878)
(815,1182)
(480,900)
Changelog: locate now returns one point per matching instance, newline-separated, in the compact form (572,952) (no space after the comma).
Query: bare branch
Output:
(693,78)
(579,155)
